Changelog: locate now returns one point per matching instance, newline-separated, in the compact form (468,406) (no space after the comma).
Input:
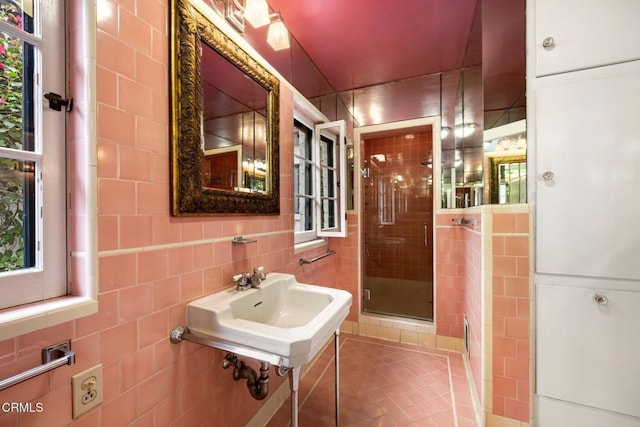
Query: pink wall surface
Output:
(459,270)
(459,281)
(150,263)
(511,316)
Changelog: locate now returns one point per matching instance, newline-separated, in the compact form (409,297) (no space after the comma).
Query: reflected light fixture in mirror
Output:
(278,36)
(465,129)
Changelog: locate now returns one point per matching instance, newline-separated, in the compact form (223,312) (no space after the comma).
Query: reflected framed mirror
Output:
(508,179)
(505,150)
(224,122)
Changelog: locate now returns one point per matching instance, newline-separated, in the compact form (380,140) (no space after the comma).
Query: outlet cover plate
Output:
(86,388)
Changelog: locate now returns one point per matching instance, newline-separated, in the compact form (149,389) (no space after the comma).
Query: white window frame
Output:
(43,291)
(306,235)
(336,130)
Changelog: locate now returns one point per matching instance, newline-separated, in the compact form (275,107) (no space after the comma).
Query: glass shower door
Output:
(397,219)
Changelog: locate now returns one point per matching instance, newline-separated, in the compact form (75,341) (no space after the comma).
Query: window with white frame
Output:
(33,235)
(319,180)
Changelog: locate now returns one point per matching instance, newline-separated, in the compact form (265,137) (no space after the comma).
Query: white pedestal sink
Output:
(281,317)
(282,322)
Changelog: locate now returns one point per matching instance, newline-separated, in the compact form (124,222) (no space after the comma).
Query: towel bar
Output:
(312,260)
(52,357)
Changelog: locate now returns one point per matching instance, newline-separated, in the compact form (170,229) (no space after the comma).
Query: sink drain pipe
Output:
(258,385)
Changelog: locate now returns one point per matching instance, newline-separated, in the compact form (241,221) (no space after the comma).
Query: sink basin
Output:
(281,317)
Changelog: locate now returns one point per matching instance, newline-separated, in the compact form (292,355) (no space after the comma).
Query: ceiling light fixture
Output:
(278,36)
(256,12)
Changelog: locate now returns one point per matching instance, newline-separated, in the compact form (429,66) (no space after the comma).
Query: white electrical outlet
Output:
(87,390)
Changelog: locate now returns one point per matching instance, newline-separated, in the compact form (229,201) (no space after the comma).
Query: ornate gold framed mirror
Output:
(224,122)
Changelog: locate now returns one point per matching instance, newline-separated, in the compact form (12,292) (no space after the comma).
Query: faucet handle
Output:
(239,277)
(243,281)
(260,271)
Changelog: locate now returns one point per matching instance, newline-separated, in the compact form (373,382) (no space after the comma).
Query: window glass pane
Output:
(17,214)
(303,214)
(328,214)
(302,141)
(296,176)
(326,151)
(308,220)
(18,13)
(16,93)
(327,189)
(308,179)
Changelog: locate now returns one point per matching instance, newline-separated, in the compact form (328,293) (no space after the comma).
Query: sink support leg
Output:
(337,351)
(294,382)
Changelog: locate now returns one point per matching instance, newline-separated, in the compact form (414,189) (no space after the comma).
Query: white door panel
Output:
(588,352)
(586,33)
(588,173)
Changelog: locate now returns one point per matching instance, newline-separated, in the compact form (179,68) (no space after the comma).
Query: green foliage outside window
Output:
(11,125)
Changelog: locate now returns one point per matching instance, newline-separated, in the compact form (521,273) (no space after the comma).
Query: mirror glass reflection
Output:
(488,90)
(224,122)
(234,126)
(505,149)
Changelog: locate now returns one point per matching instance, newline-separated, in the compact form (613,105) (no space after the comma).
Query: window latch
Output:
(56,102)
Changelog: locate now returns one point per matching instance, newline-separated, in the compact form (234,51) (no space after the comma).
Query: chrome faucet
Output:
(246,282)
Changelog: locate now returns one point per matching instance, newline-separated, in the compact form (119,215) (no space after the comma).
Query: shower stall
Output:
(397,224)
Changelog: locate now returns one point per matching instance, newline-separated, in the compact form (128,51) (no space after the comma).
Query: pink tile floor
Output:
(383,384)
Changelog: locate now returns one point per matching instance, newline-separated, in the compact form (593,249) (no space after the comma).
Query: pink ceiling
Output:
(388,59)
(357,43)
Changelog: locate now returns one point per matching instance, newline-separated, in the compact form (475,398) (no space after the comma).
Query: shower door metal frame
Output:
(359,136)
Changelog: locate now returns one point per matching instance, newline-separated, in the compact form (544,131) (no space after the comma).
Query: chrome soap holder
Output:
(464,221)
(239,241)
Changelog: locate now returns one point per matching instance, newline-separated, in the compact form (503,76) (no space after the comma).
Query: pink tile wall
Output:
(143,293)
(450,277)
(458,284)
(346,263)
(511,317)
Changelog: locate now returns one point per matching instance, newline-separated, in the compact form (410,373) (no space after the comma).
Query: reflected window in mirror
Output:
(506,163)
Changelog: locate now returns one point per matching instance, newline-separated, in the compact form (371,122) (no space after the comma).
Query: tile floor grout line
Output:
(453,396)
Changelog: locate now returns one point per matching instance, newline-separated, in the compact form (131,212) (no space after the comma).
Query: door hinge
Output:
(367,294)
(56,102)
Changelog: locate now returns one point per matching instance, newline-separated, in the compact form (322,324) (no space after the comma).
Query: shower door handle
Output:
(426,230)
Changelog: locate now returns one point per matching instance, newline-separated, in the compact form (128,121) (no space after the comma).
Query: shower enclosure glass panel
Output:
(397,218)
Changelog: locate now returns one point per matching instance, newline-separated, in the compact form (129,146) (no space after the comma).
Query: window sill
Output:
(306,246)
(21,320)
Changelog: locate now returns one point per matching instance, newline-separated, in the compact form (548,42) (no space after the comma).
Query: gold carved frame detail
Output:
(189,29)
